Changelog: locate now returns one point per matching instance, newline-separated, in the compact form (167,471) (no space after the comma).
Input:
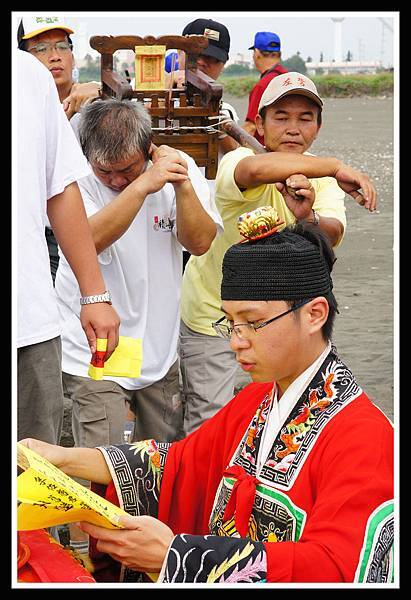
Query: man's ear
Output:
(317,313)
(259,124)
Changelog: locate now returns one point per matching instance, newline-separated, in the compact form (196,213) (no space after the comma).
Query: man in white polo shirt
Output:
(144,205)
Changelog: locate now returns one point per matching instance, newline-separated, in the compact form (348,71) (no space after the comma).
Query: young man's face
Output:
(59,63)
(274,352)
(290,125)
(118,176)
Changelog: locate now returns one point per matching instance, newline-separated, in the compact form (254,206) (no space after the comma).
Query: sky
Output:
(310,33)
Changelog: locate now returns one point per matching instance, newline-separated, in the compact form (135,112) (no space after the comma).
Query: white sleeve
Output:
(229,111)
(65,162)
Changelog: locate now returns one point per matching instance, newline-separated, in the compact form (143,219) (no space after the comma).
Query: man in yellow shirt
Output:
(289,117)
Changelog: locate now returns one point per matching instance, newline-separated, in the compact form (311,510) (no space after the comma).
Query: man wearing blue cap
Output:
(266,56)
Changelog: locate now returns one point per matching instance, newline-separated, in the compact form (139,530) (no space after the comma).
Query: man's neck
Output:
(271,68)
(64,91)
(268,64)
(309,359)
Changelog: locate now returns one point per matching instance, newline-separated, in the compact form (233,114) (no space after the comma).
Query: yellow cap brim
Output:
(43,29)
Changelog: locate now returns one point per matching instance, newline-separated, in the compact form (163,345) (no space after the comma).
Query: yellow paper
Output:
(149,67)
(125,361)
(49,497)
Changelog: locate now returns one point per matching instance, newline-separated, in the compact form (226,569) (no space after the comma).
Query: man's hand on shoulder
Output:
(80,94)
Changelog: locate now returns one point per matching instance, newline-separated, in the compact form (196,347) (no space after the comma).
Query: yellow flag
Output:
(124,362)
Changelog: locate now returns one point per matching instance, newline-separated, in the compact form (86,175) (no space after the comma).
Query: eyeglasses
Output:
(43,49)
(225,330)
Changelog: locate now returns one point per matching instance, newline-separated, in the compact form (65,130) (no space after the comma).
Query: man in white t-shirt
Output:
(49,162)
(47,38)
(144,205)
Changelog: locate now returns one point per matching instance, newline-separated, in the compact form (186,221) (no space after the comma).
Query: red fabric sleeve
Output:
(253,101)
(352,477)
(195,465)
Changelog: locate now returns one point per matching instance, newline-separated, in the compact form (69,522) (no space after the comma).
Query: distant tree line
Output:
(294,63)
(91,70)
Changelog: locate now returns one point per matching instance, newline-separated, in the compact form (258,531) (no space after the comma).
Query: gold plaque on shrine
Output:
(150,67)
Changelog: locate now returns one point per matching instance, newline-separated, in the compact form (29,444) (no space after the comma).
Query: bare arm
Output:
(195,228)
(70,225)
(85,463)
(299,195)
(80,94)
(112,221)
(275,167)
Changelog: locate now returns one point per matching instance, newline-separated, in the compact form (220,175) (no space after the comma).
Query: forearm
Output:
(70,225)
(195,228)
(277,166)
(332,227)
(111,222)
(86,463)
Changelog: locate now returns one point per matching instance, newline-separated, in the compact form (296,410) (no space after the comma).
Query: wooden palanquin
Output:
(183,118)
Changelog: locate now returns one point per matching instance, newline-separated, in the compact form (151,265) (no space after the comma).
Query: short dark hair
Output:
(269,54)
(263,111)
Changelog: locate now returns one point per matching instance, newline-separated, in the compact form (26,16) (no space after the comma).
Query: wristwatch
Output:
(316,217)
(106,297)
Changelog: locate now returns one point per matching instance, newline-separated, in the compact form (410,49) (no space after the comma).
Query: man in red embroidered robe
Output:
(292,481)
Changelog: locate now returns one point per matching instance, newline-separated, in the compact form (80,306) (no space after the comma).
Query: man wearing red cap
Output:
(290,113)
(266,57)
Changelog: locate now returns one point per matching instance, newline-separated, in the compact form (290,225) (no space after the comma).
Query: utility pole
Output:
(361,46)
(385,25)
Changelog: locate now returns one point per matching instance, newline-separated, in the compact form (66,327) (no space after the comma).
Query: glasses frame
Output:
(232,328)
(48,47)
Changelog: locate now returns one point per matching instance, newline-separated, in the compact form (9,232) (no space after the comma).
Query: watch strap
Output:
(96,298)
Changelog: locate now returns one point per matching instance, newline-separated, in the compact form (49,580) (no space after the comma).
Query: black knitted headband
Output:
(283,266)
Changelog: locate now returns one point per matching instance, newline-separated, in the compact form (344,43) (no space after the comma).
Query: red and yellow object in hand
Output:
(125,361)
(96,368)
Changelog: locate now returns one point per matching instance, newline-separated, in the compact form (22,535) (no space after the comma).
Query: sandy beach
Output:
(359,131)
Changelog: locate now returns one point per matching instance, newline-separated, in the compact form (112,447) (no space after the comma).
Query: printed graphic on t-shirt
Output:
(164,223)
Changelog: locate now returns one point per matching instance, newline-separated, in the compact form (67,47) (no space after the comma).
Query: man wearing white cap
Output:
(289,117)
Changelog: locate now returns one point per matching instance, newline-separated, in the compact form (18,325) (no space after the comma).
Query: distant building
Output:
(344,67)
(239,59)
